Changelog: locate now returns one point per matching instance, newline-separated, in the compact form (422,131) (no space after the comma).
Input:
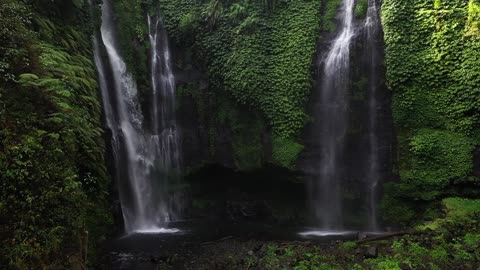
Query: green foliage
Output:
(14,38)
(285,151)
(318,261)
(132,32)
(361,9)
(270,68)
(383,263)
(437,157)
(460,207)
(40,229)
(54,180)
(247,134)
(455,237)
(473,23)
(330,11)
(432,51)
(307,265)
(349,245)
(270,5)
(395,210)
(439,253)
(189,22)
(453,244)
(294,32)
(213,12)
(258,55)
(430,67)
(472,242)
(237,12)
(300,258)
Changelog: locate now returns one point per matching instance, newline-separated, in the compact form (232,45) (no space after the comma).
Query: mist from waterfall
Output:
(144,157)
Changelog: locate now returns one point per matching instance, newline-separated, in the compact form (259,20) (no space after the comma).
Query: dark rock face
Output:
(204,139)
(405,266)
(268,196)
(476,162)
(196,138)
(200,143)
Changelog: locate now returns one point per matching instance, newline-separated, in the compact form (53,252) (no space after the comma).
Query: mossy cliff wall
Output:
(243,73)
(256,61)
(433,70)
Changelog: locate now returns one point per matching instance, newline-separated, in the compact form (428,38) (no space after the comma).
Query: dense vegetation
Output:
(256,59)
(257,54)
(54,186)
(432,60)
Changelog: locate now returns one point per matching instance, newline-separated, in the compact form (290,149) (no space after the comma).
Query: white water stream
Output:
(333,122)
(144,158)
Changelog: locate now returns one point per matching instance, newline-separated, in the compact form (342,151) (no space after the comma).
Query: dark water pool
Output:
(150,250)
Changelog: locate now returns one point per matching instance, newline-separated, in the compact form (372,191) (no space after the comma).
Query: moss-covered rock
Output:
(432,53)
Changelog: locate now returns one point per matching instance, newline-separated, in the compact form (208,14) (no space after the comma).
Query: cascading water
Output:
(143,158)
(332,114)
(164,124)
(372,28)
(360,160)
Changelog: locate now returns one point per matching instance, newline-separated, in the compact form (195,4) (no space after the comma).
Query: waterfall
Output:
(164,124)
(143,158)
(372,28)
(332,115)
(334,159)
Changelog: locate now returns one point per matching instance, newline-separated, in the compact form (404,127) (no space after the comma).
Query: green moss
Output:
(285,151)
(260,58)
(473,24)
(247,134)
(472,240)
(456,210)
(349,245)
(361,9)
(394,210)
(438,157)
(460,207)
(429,70)
(439,253)
(330,11)
(432,58)
(270,68)
(383,263)
(132,33)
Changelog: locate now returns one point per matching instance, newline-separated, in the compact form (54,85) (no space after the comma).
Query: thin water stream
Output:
(372,28)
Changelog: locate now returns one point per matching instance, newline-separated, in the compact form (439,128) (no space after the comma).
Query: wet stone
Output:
(361,235)
(372,252)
